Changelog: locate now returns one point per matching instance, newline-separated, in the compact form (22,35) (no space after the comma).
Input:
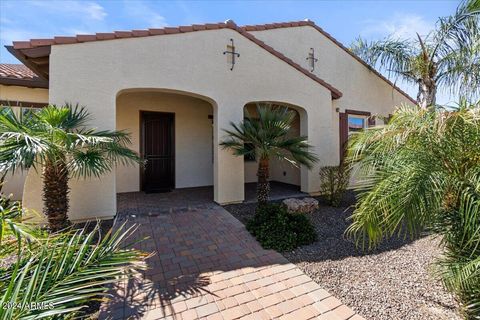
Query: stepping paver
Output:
(208,266)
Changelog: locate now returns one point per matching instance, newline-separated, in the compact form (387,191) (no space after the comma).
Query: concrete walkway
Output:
(208,266)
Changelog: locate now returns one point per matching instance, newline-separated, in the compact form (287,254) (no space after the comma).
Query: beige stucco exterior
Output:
(18,93)
(14,182)
(188,75)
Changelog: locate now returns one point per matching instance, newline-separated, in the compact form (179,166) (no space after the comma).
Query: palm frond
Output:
(67,272)
(266,135)
(422,172)
(390,55)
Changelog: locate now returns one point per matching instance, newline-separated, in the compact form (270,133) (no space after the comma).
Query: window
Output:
(356,123)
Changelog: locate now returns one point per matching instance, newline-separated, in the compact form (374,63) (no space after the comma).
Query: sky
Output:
(345,20)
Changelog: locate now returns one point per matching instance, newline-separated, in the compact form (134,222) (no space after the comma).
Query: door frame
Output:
(142,147)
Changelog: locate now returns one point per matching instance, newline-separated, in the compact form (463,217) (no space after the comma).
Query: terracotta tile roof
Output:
(35,43)
(20,75)
(262,27)
(16,71)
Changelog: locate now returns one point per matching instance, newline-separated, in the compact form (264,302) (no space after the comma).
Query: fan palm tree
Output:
(266,137)
(57,141)
(422,171)
(66,272)
(447,58)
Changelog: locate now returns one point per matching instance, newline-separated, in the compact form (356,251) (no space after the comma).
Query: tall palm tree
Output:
(422,171)
(57,141)
(447,58)
(265,137)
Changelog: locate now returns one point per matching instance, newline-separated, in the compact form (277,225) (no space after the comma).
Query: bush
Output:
(334,182)
(277,229)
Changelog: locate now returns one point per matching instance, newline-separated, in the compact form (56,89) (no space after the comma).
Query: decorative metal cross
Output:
(231,50)
(311,57)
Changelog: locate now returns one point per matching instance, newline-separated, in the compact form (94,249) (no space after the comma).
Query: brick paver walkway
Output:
(208,266)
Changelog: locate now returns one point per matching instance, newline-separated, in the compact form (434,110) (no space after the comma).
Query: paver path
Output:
(208,266)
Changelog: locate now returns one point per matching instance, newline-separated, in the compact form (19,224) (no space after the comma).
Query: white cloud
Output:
(157,20)
(142,12)
(82,9)
(403,26)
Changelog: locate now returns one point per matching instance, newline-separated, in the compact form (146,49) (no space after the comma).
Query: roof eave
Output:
(20,55)
(34,83)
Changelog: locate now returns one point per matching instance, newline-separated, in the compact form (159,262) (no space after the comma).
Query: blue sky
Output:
(345,20)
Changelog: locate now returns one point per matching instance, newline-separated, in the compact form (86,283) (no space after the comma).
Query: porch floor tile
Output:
(207,266)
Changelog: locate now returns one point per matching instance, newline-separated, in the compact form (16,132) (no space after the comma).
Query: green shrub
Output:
(277,229)
(334,182)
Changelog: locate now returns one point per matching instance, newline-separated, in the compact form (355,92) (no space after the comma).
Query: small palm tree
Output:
(448,57)
(67,271)
(57,141)
(266,137)
(422,171)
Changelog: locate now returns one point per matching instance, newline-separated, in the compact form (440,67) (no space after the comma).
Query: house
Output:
(20,88)
(176,89)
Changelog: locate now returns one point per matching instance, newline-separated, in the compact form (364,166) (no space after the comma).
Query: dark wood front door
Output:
(158,148)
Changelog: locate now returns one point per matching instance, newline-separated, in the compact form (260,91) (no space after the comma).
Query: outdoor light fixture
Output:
(231,54)
(311,59)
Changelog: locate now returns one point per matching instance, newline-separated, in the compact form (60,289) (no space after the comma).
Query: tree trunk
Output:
(263,186)
(55,194)
(427,93)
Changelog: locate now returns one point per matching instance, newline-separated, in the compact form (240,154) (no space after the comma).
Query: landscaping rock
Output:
(305,205)
(395,281)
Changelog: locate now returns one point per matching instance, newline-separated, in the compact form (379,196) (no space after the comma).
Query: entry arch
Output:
(192,123)
(282,171)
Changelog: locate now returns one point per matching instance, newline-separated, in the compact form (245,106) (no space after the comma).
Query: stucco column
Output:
(317,126)
(93,197)
(228,176)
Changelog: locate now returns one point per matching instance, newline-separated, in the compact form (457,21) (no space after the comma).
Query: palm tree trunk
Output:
(263,186)
(427,93)
(55,194)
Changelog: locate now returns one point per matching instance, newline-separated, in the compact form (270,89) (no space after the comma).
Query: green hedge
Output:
(277,229)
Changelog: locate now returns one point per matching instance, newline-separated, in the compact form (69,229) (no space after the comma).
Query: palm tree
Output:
(447,58)
(422,171)
(266,137)
(57,141)
(68,271)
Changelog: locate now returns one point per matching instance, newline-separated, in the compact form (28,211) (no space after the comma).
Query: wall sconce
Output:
(231,54)
(311,59)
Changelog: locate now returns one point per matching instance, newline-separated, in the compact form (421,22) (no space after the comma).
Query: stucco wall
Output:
(362,89)
(194,64)
(14,183)
(193,136)
(17,93)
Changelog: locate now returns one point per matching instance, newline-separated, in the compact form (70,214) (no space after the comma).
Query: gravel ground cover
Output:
(395,281)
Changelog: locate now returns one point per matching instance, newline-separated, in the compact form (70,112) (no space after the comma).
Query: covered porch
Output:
(177,134)
(187,198)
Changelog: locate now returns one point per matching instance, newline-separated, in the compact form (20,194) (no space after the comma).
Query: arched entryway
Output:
(285,178)
(173,132)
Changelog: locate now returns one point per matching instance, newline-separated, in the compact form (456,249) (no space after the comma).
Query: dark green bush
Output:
(334,182)
(277,229)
